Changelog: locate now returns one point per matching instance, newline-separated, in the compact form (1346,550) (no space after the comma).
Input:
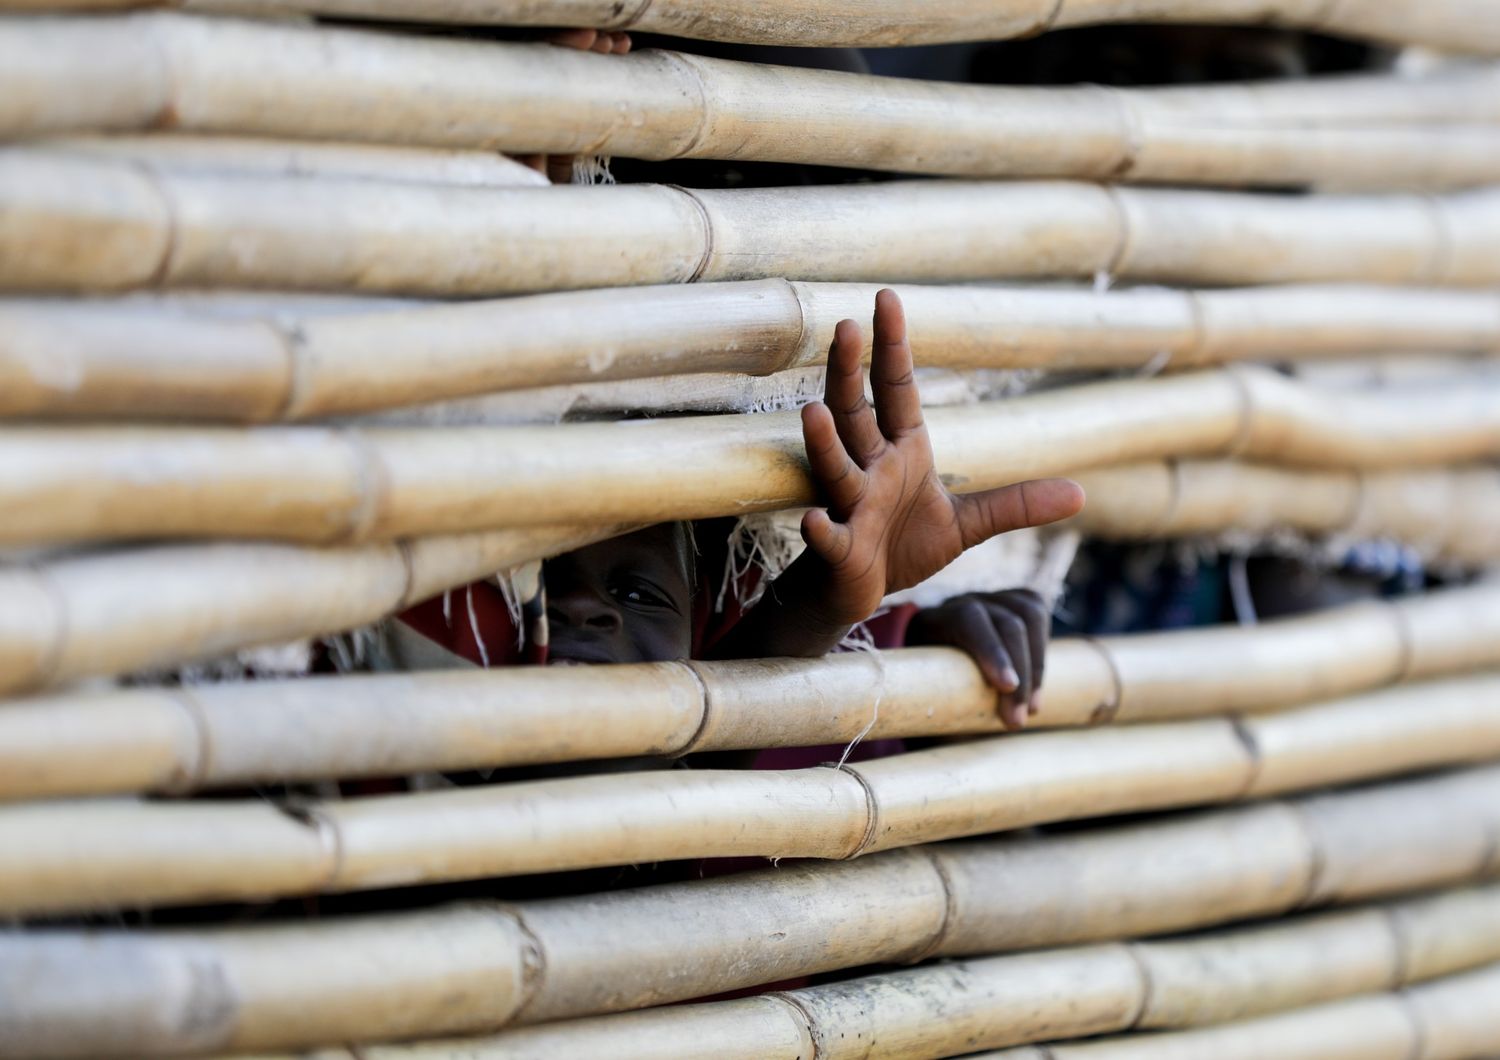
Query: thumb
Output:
(1036,503)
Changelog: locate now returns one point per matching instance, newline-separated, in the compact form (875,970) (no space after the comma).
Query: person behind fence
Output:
(886,523)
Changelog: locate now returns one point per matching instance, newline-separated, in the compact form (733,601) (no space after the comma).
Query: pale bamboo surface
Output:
(181,739)
(1445,515)
(1457,25)
(1453,1018)
(109,358)
(630,949)
(110,613)
(946,1010)
(221,75)
(92,225)
(348,485)
(280,158)
(85,854)
(113,613)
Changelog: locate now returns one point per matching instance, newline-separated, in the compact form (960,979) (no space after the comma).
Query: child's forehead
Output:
(664,547)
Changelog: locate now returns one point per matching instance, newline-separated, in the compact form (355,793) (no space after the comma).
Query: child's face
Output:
(628,599)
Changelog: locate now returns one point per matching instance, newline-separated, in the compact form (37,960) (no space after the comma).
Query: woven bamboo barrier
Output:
(105,614)
(333,84)
(72,224)
(106,358)
(475,967)
(277,158)
(1453,1018)
(173,740)
(328,486)
(82,854)
(1459,25)
(1184,498)
(115,613)
(952,1009)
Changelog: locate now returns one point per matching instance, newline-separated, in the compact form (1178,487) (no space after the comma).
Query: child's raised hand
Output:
(890,522)
(1006,635)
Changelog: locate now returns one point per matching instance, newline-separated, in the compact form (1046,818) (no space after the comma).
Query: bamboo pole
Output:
(159,606)
(249,156)
(1453,1018)
(630,949)
(176,740)
(328,486)
(944,1010)
(110,613)
(220,75)
(1452,25)
(82,855)
(150,228)
(107,358)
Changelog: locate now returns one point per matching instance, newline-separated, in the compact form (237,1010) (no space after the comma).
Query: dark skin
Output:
(627,599)
(889,524)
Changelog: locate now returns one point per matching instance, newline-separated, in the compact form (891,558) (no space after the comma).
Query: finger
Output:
(830,540)
(560,169)
(839,479)
(844,394)
(1032,610)
(977,635)
(1012,632)
(582,39)
(1036,503)
(602,44)
(536,162)
(897,403)
(621,43)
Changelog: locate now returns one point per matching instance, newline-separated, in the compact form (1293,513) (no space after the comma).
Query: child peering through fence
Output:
(889,524)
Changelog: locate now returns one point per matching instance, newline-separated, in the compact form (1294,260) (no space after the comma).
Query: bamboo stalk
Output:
(948,1009)
(116,613)
(629,949)
(324,83)
(1453,25)
(80,856)
(175,740)
(327,486)
(1448,1019)
(76,225)
(108,358)
(276,158)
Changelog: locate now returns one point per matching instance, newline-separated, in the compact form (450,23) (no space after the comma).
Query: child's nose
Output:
(582,609)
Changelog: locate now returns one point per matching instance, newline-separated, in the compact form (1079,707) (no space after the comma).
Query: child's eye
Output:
(639,594)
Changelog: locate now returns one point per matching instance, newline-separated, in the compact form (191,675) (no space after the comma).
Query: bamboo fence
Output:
(92,225)
(82,854)
(274,158)
(1457,25)
(109,613)
(176,740)
(1452,1018)
(220,75)
(349,485)
(104,358)
(483,966)
(951,1009)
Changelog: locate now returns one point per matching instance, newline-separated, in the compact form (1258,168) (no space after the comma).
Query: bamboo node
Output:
(707,221)
(705,707)
(330,839)
(1245,398)
(1405,639)
(872,811)
(194,773)
(1413,1016)
(1395,921)
(1246,737)
(1148,984)
(533,964)
(152,178)
(370,489)
(1132,134)
(801,1018)
(1105,712)
(950,906)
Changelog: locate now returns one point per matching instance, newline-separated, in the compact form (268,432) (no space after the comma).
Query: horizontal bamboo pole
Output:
(1454,25)
(83,855)
(279,158)
(1185,498)
(220,75)
(945,1010)
(265,986)
(107,358)
(176,740)
(328,486)
(114,613)
(64,618)
(1453,1018)
(71,224)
